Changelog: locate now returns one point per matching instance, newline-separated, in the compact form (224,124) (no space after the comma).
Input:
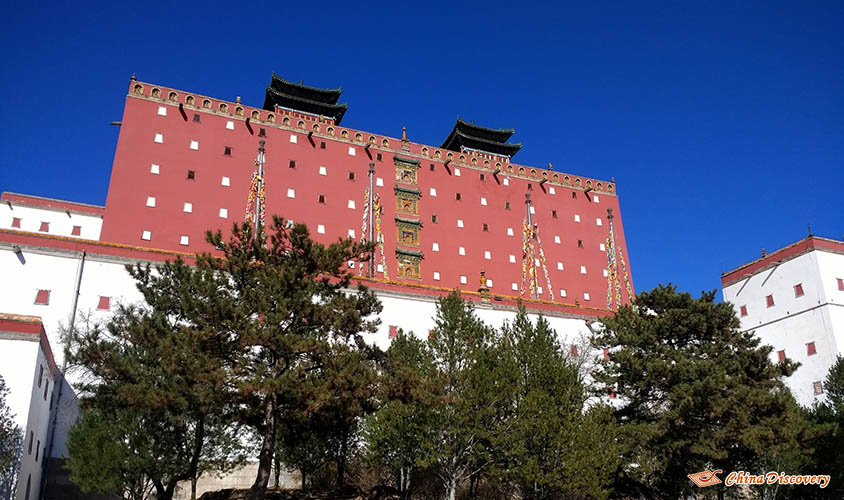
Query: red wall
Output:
(131,183)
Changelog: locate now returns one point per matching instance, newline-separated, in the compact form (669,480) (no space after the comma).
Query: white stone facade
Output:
(792,299)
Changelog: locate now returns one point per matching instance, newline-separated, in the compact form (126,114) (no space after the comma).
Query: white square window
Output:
(194,145)
(293,139)
(162,111)
(224,213)
(483,201)
(585,295)
(557,240)
(552,190)
(506,181)
(150,201)
(599,222)
(539,290)
(159,138)
(595,198)
(188,207)
(536,261)
(576,218)
(146,235)
(380,268)
(433,192)
(352,151)
(291,193)
(436,276)
(351,233)
(509,231)
(322,171)
(562,292)
(351,204)
(582,269)
(456,172)
(461,251)
(606,273)
(184,240)
(532,210)
(602,247)
(512,259)
(559,266)
(351,264)
(226,181)
(154,169)
(230,125)
(487,255)
(379,182)
(435,247)
(459,222)
(463,280)
(320,229)
(514,286)
(489,283)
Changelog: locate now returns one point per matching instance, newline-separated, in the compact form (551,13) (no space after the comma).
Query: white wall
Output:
(793,322)
(18,368)
(61,224)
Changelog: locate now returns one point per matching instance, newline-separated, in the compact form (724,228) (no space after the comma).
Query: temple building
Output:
(460,216)
(793,300)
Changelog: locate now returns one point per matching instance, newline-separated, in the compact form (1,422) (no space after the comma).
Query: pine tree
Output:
(695,392)
(555,446)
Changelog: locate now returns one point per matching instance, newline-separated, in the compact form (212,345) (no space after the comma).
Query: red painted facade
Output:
(557,201)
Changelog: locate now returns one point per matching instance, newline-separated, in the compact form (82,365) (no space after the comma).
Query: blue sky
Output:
(722,122)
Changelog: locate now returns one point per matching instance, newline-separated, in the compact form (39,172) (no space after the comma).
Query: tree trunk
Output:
(265,457)
(303,479)
(277,464)
(198,441)
(452,487)
(341,460)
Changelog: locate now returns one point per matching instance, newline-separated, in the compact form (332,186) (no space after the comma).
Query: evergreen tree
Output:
(554,447)
(11,446)
(395,433)
(695,393)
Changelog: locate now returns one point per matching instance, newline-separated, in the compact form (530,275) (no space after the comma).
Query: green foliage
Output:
(11,446)
(695,392)
(554,447)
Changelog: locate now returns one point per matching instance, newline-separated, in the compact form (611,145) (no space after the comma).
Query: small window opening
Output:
(321,144)
(227,151)
(196,118)
(579,243)
(507,205)
(351,176)
(292,164)
(262,132)
(431,167)
(554,214)
(378,156)
(574,194)
(322,198)
(486,228)
(434,219)
(483,177)
(191,174)
(530,187)
(458,197)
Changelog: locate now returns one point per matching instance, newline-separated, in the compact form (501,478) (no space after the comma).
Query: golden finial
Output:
(237,100)
(404,134)
(763,252)
(550,167)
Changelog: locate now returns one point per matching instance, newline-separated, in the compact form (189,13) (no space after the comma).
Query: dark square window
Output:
(42,297)
(781,355)
(191,174)
(554,214)
(574,194)
(31,437)
(798,290)
(530,187)
(743,310)
(321,144)
(817,387)
(810,349)
(432,167)
(378,157)
(196,118)
(37,449)
(104,303)
(434,219)
(227,150)
(321,198)
(483,177)
(76,231)
(40,375)
(46,387)
(486,228)
(262,132)
(579,243)
(16,222)
(292,164)
(769,300)
(506,205)
(458,197)
(45,227)
(351,176)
